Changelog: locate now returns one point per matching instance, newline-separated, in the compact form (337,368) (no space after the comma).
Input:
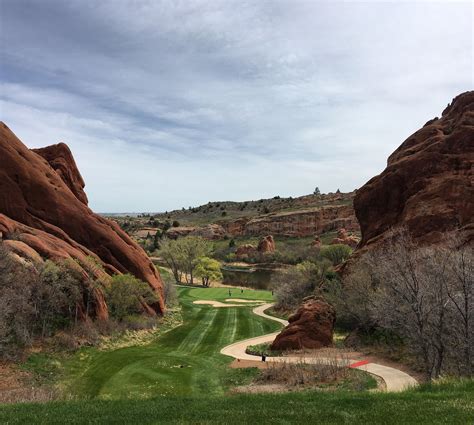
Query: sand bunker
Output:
(216,304)
(239,300)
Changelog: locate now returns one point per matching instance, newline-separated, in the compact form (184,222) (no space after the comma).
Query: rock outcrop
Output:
(43,206)
(428,185)
(311,327)
(266,245)
(180,231)
(345,238)
(60,158)
(209,232)
(300,223)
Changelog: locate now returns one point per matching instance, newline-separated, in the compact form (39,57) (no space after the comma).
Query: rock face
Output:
(60,158)
(265,245)
(209,232)
(43,206)
(310,327)
(180,231)
(428,185)
(301,223)
(345,238)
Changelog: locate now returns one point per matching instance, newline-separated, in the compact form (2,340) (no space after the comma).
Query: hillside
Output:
(301,217)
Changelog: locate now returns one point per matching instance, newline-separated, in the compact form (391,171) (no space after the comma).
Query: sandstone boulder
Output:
(180,231)
(428,185)
(266,244)
(310,327)
(210,232)
(245,251)
(42,205)
(316,243)
(344,238)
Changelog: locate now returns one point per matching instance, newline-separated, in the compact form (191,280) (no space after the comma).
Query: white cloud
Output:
(175,103)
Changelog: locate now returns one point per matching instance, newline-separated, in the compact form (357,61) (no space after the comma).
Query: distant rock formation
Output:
(265,245)
(44,213)
(209,232)
(180,231)
(299,223)
(316,243)
(312,326)
(428,185)
(345,238)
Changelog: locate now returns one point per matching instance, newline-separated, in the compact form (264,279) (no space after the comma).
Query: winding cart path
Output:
(395,379)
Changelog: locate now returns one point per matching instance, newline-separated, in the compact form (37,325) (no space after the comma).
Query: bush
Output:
(126,295)
(425,295)
(337,254)
(298,282)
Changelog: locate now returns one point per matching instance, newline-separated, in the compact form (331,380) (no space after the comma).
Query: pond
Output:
(255,278)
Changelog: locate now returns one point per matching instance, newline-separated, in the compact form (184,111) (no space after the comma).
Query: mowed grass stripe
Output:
(197,333)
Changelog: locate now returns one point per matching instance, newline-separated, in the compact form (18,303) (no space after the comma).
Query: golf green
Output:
(183,361)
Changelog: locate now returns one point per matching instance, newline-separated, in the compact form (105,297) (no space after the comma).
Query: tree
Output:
(175,223)
(172,256)
(191,248)
(317,191)
(157,239)
(423,294)
(126,295)
(181,255)
(292,285)
(208,270)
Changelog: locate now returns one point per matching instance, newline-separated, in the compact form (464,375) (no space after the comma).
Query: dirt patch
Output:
(260,389)
(17,386)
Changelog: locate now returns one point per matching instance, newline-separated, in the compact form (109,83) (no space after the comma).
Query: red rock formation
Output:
(428,185)
(179,232)
(60,158)
(209,232)
(266,244)
(310,327)
(300,223)
(44,209)
(245,251)
(345,238)
(316,243)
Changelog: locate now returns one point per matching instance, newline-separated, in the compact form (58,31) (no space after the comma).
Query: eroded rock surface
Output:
(43,206)
(312,326)
(428,185)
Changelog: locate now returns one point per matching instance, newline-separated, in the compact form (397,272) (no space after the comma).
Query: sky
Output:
(170,104)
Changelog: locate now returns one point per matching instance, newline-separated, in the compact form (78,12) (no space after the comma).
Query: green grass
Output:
(181,378)
(184,361)
(221,294)
(444,404)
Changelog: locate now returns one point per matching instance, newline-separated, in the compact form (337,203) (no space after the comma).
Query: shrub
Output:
(337,254)
(296,283)
(126,294)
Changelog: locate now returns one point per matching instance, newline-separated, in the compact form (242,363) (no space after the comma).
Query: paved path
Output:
(395,380)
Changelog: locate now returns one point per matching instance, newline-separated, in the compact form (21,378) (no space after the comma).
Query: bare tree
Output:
(424,294)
